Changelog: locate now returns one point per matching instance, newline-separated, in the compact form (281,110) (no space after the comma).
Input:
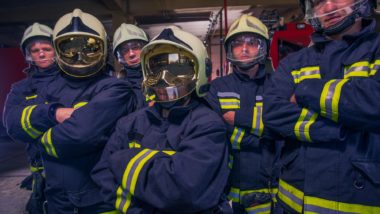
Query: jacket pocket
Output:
(369,168)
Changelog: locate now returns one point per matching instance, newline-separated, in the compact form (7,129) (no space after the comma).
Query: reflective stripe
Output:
(234,195)
(311,72)
(134,144)
(230,161)
(150,98)
(319,205)
(330,98)
(374,67)
(229,103)
(236,137)
(130,178)
(302,127)
(169,152)
(290,196)
(228,95)
(358,69)
(48,144)
(257,122)
(111,212)
(80,104)
(25,122)
(36,169)
(259,209)
(31,97)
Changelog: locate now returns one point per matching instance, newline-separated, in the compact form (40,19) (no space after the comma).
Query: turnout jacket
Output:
(330,162)
(176,164)
(135,77)
(72,148)
(251,156)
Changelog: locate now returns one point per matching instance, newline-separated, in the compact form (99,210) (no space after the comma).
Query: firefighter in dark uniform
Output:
(171,157)
(324,100)
(37,47)
(238,99)
(128,41)
(76,114)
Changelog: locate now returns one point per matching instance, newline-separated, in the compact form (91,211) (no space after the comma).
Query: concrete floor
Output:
(13,169)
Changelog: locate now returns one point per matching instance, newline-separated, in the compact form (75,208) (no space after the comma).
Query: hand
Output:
(229,117)
(293,99)
(62,114)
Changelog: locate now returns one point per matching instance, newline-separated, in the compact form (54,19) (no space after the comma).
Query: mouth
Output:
(332,20)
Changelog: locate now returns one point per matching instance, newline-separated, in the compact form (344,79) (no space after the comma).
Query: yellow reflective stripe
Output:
(36,169)
(290,196)
(80,104)
(131,174)
(25,122)
(234,195)
(314,204)
(150,97)
(111,212)
(31,97)
(374,67)
(236,137)
(257,122)
(311,72)
(120,203)
(48,144)
(302,127)
(229,103)
(259,209)
(169,152)
(134,144)
(230,161)
(330,97)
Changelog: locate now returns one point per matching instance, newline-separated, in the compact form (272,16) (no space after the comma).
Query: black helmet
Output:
(358,9)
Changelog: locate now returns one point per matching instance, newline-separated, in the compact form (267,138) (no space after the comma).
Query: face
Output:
(42,54)
(245,47)
(331,12)
(130,52)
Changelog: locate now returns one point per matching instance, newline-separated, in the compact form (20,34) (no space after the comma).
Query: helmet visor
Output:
(171,74)
(246,48)
(80,51)
(330,12)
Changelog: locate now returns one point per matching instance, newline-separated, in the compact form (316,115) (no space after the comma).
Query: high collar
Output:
(133,75)
(368,26)
(239,73)
(35,73)
(176,114)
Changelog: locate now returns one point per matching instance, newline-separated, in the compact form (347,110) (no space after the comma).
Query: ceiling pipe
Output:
(225,18)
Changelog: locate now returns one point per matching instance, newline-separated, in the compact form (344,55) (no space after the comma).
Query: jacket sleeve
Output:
(212,99)
(191,179)
(26,117)
(290,120)
(352,102)
(89,126)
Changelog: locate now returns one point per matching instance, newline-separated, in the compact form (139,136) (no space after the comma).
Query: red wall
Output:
(12,63)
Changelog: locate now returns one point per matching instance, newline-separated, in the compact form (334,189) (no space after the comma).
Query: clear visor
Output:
(332,10)
(80,51)
(246,48)
(128,53)
(40,52)
(170,73)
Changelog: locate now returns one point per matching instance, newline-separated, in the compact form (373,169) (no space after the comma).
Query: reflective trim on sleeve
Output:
(228,95)
(31,97)
(291,196)
(259,209)
(329,100)
(134,144)
(229,103)
(48,144)
(319,205)
(236,137)
(230,161)
(374,67)
(25,122)
(234,195)
(169,152)
(302,127)
(311,72)
(257,121)
(358,69)
(80,104)
(129,180)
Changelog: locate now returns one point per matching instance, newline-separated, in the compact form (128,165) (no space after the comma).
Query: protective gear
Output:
(128,37)
(36,33)
(246,35)
(80,42)
(352,12)
(174,64)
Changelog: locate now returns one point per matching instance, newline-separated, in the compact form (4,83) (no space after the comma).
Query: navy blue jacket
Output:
(330,161)
(72,148)
(252,156)
(25,92)
(177,164)
(135,77)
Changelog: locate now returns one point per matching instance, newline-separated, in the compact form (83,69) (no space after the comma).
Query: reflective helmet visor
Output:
(171,74)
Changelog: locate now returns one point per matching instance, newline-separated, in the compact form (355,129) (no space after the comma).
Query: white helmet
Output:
(80,42)
(35,32)
(131,34)
(174,64)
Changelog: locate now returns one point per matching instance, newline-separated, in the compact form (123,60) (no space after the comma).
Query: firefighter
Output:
(238,99)
(128,41)
(37,48)
(76,115)
(171,157)
(324,101)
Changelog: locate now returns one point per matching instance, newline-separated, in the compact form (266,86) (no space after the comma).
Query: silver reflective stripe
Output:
(290,196)
(317,209)
(229,103)
(308,73)
(259,98)
(258,120)
(261,210)
(45,141)
(329,99)
(228,94)
(124,198)
(133,168)
(302,129)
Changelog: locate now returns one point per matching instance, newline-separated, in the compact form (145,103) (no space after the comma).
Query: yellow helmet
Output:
(80,41)
(247,31)
(35,31)
(174,64)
